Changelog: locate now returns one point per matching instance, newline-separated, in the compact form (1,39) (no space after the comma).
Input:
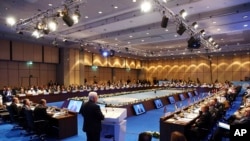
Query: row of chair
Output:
(25,121)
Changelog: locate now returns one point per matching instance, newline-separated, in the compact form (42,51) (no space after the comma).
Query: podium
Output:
(114,124)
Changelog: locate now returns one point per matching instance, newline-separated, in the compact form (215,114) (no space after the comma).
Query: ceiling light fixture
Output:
(76,16)
(183,13)
(164,21)
(181,29)
(146,6)
(202,32)
(11,21)
(66,18)
(195,25)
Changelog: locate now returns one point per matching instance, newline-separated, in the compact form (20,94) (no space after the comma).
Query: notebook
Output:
(224,125)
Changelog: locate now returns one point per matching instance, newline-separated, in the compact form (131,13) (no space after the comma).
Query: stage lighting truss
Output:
(179,20)
(46,21)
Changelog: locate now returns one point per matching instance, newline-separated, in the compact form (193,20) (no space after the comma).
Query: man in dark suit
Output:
(243,119)
(203,122)
(40,112)
(14,106)
(93,116)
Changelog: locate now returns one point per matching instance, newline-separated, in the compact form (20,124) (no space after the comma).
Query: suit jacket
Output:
(40,113)
(15,109)
(92,117)
(204,120)
(243,120)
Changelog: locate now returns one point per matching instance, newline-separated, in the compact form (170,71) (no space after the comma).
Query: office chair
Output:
(15,119)
(36,128)
(145,136)
(40,128)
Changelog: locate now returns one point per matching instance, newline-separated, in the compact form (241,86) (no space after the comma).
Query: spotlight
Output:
(202,32)
(40,25)
(66,18)
(181,29)
(195,25)
(37,34)
(164,22)
(65,40)
(105,53)
(52,25)
(146,6)
(46,30)
(183,13)
(11,21)
(210,39)
(76,16)
(194,43)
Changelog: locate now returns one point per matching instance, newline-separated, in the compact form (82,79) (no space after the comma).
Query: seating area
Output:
(132,132)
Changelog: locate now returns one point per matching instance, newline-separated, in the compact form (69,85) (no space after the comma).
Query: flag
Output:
(176,107)
(165,109)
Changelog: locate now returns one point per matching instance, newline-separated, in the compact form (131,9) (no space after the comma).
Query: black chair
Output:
(37,129)
(145,136)
(14,118)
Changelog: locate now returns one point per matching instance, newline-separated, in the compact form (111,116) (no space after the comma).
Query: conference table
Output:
(65,124)
(182,119)
(56,97)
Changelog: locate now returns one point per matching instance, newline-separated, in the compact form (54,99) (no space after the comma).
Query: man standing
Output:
(93,116)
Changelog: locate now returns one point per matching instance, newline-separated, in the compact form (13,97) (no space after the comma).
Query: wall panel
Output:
(47,54)
(4,50)
(87,59)
(28,52)
(37,51)
(17,51)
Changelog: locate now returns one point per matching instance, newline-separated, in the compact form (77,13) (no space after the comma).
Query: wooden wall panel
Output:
(245,63)
(131,63)
(13,65)
(54,55)
(100,60)
(236,76)
(87,59)
(17,51)
(43,77)
(3,65)
(222,64)
(47,54)
(77,77)
(245,74)
(182,66)
(28,53)
(137,64)
(116,62)
(228,61)
(13,73)
(37,51)
(3,77)
(4,50)
(236,63)
(228,75)
(206,77)
(186,65)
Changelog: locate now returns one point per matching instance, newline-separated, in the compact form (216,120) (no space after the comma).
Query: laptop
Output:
(224,125)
